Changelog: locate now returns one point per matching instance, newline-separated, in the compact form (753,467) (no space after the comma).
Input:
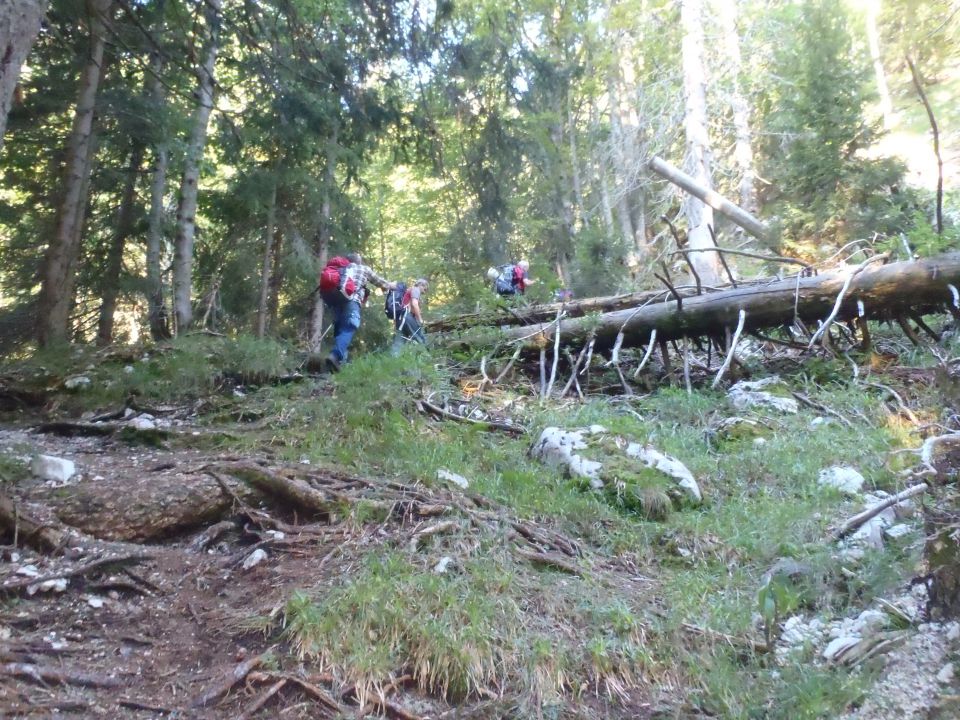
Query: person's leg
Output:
(414,330)
(346,324)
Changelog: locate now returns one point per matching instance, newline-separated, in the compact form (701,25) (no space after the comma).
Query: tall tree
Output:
(57,275)
(698,152)
(187,206)
(19,25)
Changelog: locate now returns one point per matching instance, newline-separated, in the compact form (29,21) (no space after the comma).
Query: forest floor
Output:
(246,542)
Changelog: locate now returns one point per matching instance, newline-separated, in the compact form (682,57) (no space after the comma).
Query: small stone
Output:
(817,421)
(276,534)
(28,571)
(596,430)
(304,460)
(945,675)
(96,602)
(835,650)
(845,479)
(255,558)
(953,632)
(53,468)
(870,621)
(441,567)
(760,442)
(76,382)
(128,369)
(143,423)
(459,480)
(127,412)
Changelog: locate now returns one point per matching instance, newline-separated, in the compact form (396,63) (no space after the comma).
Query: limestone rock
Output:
(845,479)
(53,469)
(668,465)
(746,394)
(459,480)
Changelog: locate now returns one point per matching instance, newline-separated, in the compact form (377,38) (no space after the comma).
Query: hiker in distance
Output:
(403,307)
(511,279)
(343,287)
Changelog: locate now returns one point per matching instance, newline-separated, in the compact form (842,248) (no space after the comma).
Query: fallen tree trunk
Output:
(544,313)
(885,291)
(714,199)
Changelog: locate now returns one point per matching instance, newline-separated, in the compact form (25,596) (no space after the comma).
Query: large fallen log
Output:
(505,315)
(885,291)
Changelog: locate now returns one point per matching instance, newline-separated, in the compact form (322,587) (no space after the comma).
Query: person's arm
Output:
(415,309)
(377,280)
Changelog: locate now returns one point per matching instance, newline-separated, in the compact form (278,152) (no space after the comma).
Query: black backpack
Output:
(393,304)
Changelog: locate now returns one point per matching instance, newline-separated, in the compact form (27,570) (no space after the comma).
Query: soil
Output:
(170,629)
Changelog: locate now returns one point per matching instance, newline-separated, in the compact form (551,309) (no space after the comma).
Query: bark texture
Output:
(698,157)
(187,206)
(885,291)
(19,25)
(56,293)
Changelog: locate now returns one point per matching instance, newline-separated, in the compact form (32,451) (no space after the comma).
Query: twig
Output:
(686,364)
(575,364)
(754,645)
(543,373)
(896,396)
(843,291)
(821,407)
(723,260)
(693,270)
(672,289)
(857,520)
(722,251)
(235,676)
(43,675)
(550,560)
(733,346)
(488,424)
(78,570)
(909,331)
(262,700)
(648,353)
(513,359)
(483,371)
(556,355)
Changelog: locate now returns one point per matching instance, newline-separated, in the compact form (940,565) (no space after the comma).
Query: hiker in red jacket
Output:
(343,287)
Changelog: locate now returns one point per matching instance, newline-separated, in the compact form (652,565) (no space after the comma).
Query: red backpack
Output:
(334,277)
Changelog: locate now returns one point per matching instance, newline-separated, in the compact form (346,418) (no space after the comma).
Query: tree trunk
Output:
(885,291)
(276,278)
(156,307)
(743,147)
(918,84)
(19,25)
(698,154)
(56,292)
(873,40)
(122,231)
(713,199)
(268,232)
(187,207)
(324,232)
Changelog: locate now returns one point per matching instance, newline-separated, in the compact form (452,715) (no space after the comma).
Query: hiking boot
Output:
(333,365)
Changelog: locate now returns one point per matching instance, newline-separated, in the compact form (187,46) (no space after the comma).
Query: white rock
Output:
(556,448)
(459,480)
(835,650)
(53,468)
(945,675)
(28,571)
(747,394)
(668,465)
(817,421)
(57,585)
(759,442)
(441,567)
(96,602)
(128,369)
(276,534)
(870,621)
(953,632)
(898,531)
(255,558)
(596,430)
(845,479)
(76,382)
(143,423)
(127,412)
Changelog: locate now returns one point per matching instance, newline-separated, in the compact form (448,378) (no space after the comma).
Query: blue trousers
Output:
(346,322)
